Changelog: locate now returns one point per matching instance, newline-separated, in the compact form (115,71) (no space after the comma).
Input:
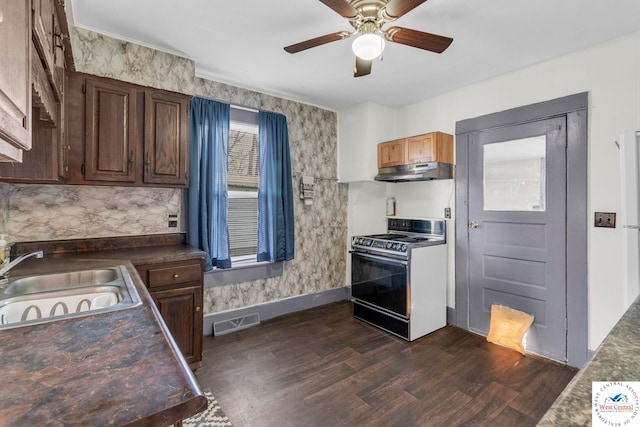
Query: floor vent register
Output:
(231,325)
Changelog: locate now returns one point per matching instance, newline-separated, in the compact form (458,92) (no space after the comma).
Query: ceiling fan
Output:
(368,17)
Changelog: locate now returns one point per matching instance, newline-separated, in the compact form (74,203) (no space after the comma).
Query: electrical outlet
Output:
(173,220)
(447,212)
(604,219)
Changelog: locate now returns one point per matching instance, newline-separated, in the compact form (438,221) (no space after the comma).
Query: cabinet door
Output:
(43,31)
(110,126)
(63,146)
(39,165)
(165,139)
(181,310)
(15,79)
(420,149)
(392,153)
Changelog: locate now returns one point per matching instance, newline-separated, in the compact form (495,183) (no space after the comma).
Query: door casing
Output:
(574,108)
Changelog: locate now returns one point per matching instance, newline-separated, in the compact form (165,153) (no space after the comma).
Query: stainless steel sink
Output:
(57,281)
(50,297)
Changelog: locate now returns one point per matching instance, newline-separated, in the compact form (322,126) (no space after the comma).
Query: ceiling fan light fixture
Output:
(368,46)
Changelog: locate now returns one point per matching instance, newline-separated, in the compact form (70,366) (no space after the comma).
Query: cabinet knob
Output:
(147,160)
(197,308)
(1,16)
(175,276)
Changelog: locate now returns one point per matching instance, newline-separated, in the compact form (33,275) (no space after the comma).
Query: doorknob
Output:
(473,224)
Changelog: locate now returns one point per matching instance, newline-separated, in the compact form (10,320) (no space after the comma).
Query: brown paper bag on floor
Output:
(508,326)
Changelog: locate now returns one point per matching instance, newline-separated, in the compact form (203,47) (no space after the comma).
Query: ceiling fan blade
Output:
(343,8)
(308,44)
(362,68)
(415,38)
(397,8)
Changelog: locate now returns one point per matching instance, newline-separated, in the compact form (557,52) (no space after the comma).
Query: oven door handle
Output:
(380,258)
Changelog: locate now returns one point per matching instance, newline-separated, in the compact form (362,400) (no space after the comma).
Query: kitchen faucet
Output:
(5,270)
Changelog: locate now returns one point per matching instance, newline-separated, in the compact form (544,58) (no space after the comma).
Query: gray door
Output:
(517,236)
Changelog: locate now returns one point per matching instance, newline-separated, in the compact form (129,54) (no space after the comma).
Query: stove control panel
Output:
(386,245)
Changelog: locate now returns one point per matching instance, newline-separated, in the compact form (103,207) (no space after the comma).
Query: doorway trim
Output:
(574,108)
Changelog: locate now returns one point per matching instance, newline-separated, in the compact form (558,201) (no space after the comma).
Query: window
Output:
(242,184)
(514,175)
(227,150)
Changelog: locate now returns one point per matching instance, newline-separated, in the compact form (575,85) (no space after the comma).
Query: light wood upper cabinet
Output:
(430,147)
(15,79)
(392,153)
(425,148)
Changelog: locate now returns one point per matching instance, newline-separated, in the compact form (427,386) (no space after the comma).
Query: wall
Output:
(36,212)
(610,72)
(365,124)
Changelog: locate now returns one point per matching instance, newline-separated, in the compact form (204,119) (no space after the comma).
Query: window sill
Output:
(242,273)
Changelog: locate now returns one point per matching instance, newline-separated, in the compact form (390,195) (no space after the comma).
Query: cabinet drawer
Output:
(170,275)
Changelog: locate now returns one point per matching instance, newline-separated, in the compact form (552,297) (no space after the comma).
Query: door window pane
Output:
(514,175)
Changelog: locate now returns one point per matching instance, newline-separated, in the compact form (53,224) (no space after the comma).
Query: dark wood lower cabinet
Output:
(177,290)
(180,309)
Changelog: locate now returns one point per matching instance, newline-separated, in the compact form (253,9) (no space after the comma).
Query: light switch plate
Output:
(604,219)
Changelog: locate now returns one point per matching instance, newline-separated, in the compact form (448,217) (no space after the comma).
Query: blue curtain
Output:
(207,195)
(275,192)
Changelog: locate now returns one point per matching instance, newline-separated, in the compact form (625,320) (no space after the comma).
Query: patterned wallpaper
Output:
(42,212)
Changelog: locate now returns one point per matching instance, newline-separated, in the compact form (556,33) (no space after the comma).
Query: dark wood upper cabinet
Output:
(110,133)
(48,39)
(165,130)
(47,57)
(15,79)
(124,134)
(43,30)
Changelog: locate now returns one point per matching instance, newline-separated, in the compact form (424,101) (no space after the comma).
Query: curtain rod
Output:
(242,107)
(239,107)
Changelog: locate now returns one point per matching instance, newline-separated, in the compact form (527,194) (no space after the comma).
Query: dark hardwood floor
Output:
(322,367)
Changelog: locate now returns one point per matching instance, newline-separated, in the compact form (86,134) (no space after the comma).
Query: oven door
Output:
(380,282)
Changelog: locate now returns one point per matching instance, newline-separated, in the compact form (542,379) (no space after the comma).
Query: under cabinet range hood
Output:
(420,172)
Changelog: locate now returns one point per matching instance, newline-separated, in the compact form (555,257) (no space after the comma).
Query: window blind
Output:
(242,219)
(242,182)
(243,158)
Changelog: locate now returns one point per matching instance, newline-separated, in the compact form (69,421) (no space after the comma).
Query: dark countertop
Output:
(617,359)
(118,368)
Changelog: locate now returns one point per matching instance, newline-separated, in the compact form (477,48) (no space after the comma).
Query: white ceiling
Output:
(241,42)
